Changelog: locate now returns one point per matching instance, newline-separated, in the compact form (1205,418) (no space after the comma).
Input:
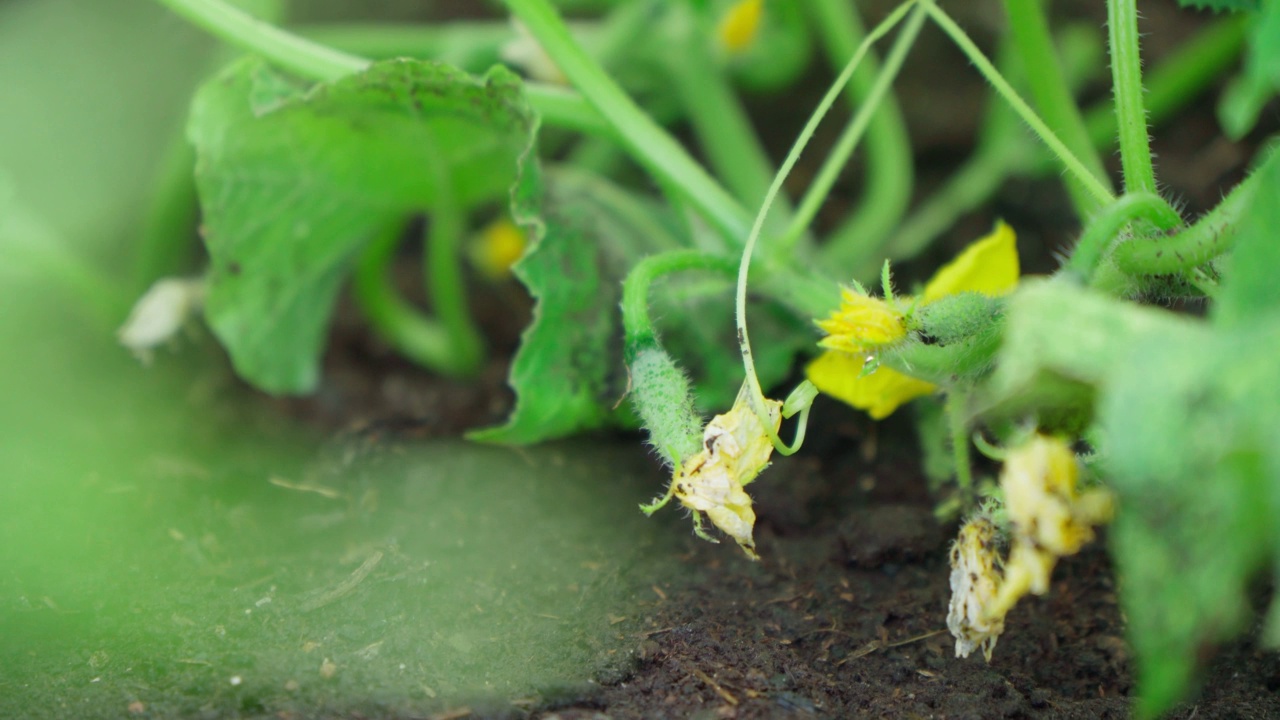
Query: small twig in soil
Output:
(344,588)
(728,696)
(453,714)
(304,487)
(876,645)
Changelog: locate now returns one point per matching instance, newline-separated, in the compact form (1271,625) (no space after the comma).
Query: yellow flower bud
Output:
(497,247)
(862,324)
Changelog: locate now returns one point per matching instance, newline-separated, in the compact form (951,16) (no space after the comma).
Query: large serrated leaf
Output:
(565,373)
(293,183)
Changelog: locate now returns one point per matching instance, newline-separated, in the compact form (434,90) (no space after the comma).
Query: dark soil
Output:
(845,614)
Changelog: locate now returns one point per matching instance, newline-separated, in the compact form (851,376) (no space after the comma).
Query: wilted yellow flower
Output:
(735,449)
(497,247)
(1049,517)
(988,266)
(975,580)
(740,25)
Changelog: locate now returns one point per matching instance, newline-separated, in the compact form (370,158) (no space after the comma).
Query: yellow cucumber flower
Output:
(740,25)
(988,266)
(735,449)
(862,324)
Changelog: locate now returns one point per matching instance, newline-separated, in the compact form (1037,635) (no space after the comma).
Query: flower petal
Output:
(862,323)
(988,266)
(839,375)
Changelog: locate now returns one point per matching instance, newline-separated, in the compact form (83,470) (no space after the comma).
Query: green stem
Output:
(1001,153)
(755,393)
(1049,87)
(563,108)
(470,45)
(635,289)
(993,76)
(168,232)
(956,400)
(1180,77)
(446,289)
(421,339)
(289,51)
(647,142)
(836,256)
(720,122)
(1107,225)
(889,174)
(1208,238)
(1126,78)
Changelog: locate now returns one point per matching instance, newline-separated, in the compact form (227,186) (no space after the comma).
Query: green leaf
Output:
(1055,329)
(1190,425)
(1241,104)
(1249,287)
(294,182)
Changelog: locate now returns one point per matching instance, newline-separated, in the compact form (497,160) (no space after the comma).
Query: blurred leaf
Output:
(1190,422)
(696,318)
(1249,288)
(1219,5)
(1241,104)
(293,184)
(92,91)
(1055,329)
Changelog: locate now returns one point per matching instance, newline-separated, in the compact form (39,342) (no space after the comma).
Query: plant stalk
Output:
(1126,79)
(647,142)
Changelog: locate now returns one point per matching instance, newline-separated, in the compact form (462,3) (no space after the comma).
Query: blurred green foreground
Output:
(170,548)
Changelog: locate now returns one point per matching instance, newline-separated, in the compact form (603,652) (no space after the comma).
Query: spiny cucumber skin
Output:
(663,399)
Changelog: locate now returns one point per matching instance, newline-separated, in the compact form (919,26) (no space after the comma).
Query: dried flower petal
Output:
(975,581)
(735,449)
(160,313)
(1049,517)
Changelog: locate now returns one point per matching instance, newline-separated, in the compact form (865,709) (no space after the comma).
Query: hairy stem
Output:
(993,76)
(647,142)
(1106,226)
(635,289)
(1126,78)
